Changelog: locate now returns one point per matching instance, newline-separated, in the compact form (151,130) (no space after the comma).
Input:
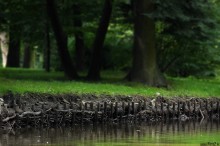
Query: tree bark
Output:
(61,40)
(144,67)
(13,58)
(95,66)
(27,56)
(4,47)
(79,41)
(47,48)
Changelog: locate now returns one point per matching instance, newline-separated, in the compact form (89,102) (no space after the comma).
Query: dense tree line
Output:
(145,38)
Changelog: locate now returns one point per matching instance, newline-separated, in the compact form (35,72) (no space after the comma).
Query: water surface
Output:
(153,134)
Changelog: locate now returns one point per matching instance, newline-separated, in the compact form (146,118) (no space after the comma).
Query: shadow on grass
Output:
(31,74)
(113,77)
(107,77)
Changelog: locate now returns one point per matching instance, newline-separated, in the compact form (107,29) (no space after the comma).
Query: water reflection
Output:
(168,134)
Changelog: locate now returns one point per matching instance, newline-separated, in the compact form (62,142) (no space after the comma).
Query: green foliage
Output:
(186,37)
(117,48)
(184,58)
(29,16)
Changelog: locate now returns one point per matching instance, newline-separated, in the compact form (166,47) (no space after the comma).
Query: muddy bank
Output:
(46,110)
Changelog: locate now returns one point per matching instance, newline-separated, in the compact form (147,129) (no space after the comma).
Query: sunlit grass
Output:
(195,87)
(24,80)
(22,86)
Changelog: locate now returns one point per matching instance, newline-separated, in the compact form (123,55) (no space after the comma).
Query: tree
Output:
(186,36)
(95,66)
(61,40)
(79,40)
(4,47)
(13,58)
(13,13)
(28,56)
(144,68)
(47,50)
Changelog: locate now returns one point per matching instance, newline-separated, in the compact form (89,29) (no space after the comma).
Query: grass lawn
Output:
(25,80)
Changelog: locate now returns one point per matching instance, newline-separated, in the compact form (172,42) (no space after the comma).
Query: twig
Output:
(48,110)
(29,113)
(9,118)
(202,114)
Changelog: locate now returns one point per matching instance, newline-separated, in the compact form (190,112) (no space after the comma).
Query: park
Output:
(104,72)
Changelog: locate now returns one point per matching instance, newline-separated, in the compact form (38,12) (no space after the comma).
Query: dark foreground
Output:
(46,110)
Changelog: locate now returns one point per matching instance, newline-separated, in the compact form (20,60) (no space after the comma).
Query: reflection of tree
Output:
(158,133)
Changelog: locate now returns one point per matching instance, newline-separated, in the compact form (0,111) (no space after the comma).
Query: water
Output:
(155,134)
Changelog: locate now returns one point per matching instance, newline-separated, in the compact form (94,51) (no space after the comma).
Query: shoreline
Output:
(49,110)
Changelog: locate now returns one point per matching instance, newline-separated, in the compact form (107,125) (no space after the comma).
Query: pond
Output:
(172,133)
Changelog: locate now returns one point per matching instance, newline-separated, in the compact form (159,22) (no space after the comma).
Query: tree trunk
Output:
(144,67)
(79,41)
(13,58)
(95,66)
(47,49)
(27,56)
(4,47)
(61,40)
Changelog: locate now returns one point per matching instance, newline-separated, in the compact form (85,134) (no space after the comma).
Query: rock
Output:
(153,102)
(1,100)
(11,111)
(17,109)
(183,117)
(157,94)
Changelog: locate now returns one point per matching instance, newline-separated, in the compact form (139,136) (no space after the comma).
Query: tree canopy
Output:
(90,36)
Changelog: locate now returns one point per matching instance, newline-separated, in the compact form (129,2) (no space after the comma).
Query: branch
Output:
(9,118)
(29,113)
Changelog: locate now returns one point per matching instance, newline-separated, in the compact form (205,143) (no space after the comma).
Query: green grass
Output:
(24,80)
(30,74)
